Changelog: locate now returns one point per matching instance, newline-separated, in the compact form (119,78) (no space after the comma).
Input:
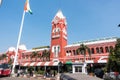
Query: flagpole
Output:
(18,42)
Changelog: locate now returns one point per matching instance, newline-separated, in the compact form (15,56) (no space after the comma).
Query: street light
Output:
(59,64)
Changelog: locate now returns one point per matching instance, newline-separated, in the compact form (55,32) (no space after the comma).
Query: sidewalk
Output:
(39,77)
(78,76)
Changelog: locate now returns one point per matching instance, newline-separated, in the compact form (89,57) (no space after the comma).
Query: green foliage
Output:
(40,72)
(46,54)
(3,56)
(10,61)
(83,49)
(30,68)
(34,54)
(114,58)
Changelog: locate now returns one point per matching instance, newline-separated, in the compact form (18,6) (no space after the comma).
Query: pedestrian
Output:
(18,73)
(31,72)
(54,73)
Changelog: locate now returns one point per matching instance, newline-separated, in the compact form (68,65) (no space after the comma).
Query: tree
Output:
(34,55)
(82,50)
(46,54)
(10,61)
(114,58)
(0,57)
(3,56)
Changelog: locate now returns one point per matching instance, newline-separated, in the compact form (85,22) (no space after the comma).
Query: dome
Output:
(11,49)
(22,47)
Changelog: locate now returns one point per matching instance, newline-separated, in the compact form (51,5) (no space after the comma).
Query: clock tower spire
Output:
(58,36)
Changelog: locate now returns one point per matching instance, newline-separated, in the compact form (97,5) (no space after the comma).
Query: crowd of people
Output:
(21,72)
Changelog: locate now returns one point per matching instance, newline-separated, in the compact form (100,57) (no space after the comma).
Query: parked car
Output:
(5,69)
(99,72)
(66,77)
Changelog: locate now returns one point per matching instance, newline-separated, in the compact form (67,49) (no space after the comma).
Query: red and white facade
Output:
(58,37)
(60,51)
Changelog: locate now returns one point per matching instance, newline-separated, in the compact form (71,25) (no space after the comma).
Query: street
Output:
(18,78)
(21,78)
(75,76)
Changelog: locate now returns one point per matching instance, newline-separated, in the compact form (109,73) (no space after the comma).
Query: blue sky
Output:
(87,20)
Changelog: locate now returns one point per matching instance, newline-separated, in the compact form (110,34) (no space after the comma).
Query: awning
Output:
(41,64)
(32,64)
(26,64)
(68,62)
(55,63)
(49,64)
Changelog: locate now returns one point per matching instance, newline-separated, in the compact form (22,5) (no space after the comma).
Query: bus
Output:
(5,69)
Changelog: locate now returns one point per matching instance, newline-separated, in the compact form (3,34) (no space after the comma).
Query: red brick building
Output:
(60,51)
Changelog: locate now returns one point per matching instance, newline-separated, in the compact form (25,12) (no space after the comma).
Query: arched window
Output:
(55,49)
(92,50)
(58,49)
(66,51)
(74,53)
(106,49)
(101,49)
(26,56)
(54,30)
(97,50)
(58,30)
(69,52)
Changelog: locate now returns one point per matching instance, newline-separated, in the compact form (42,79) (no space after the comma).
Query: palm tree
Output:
(46,54)
(4,56)
(34,55)
(82,50)
(89,52)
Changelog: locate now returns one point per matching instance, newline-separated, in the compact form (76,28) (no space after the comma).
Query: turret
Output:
(58,36)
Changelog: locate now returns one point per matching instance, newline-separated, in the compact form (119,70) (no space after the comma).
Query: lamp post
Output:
(59,64)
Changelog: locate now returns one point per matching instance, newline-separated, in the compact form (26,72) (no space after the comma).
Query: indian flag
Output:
(27,7)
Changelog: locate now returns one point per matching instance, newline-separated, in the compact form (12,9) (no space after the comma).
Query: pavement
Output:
(79,76)
(75,76)
(22,78)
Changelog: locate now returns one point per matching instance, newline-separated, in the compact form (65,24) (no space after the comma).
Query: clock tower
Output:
(58,37)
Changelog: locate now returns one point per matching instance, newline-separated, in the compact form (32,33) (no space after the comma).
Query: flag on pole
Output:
(27,7)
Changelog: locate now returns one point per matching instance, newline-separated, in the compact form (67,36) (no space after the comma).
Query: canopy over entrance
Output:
(40,64)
